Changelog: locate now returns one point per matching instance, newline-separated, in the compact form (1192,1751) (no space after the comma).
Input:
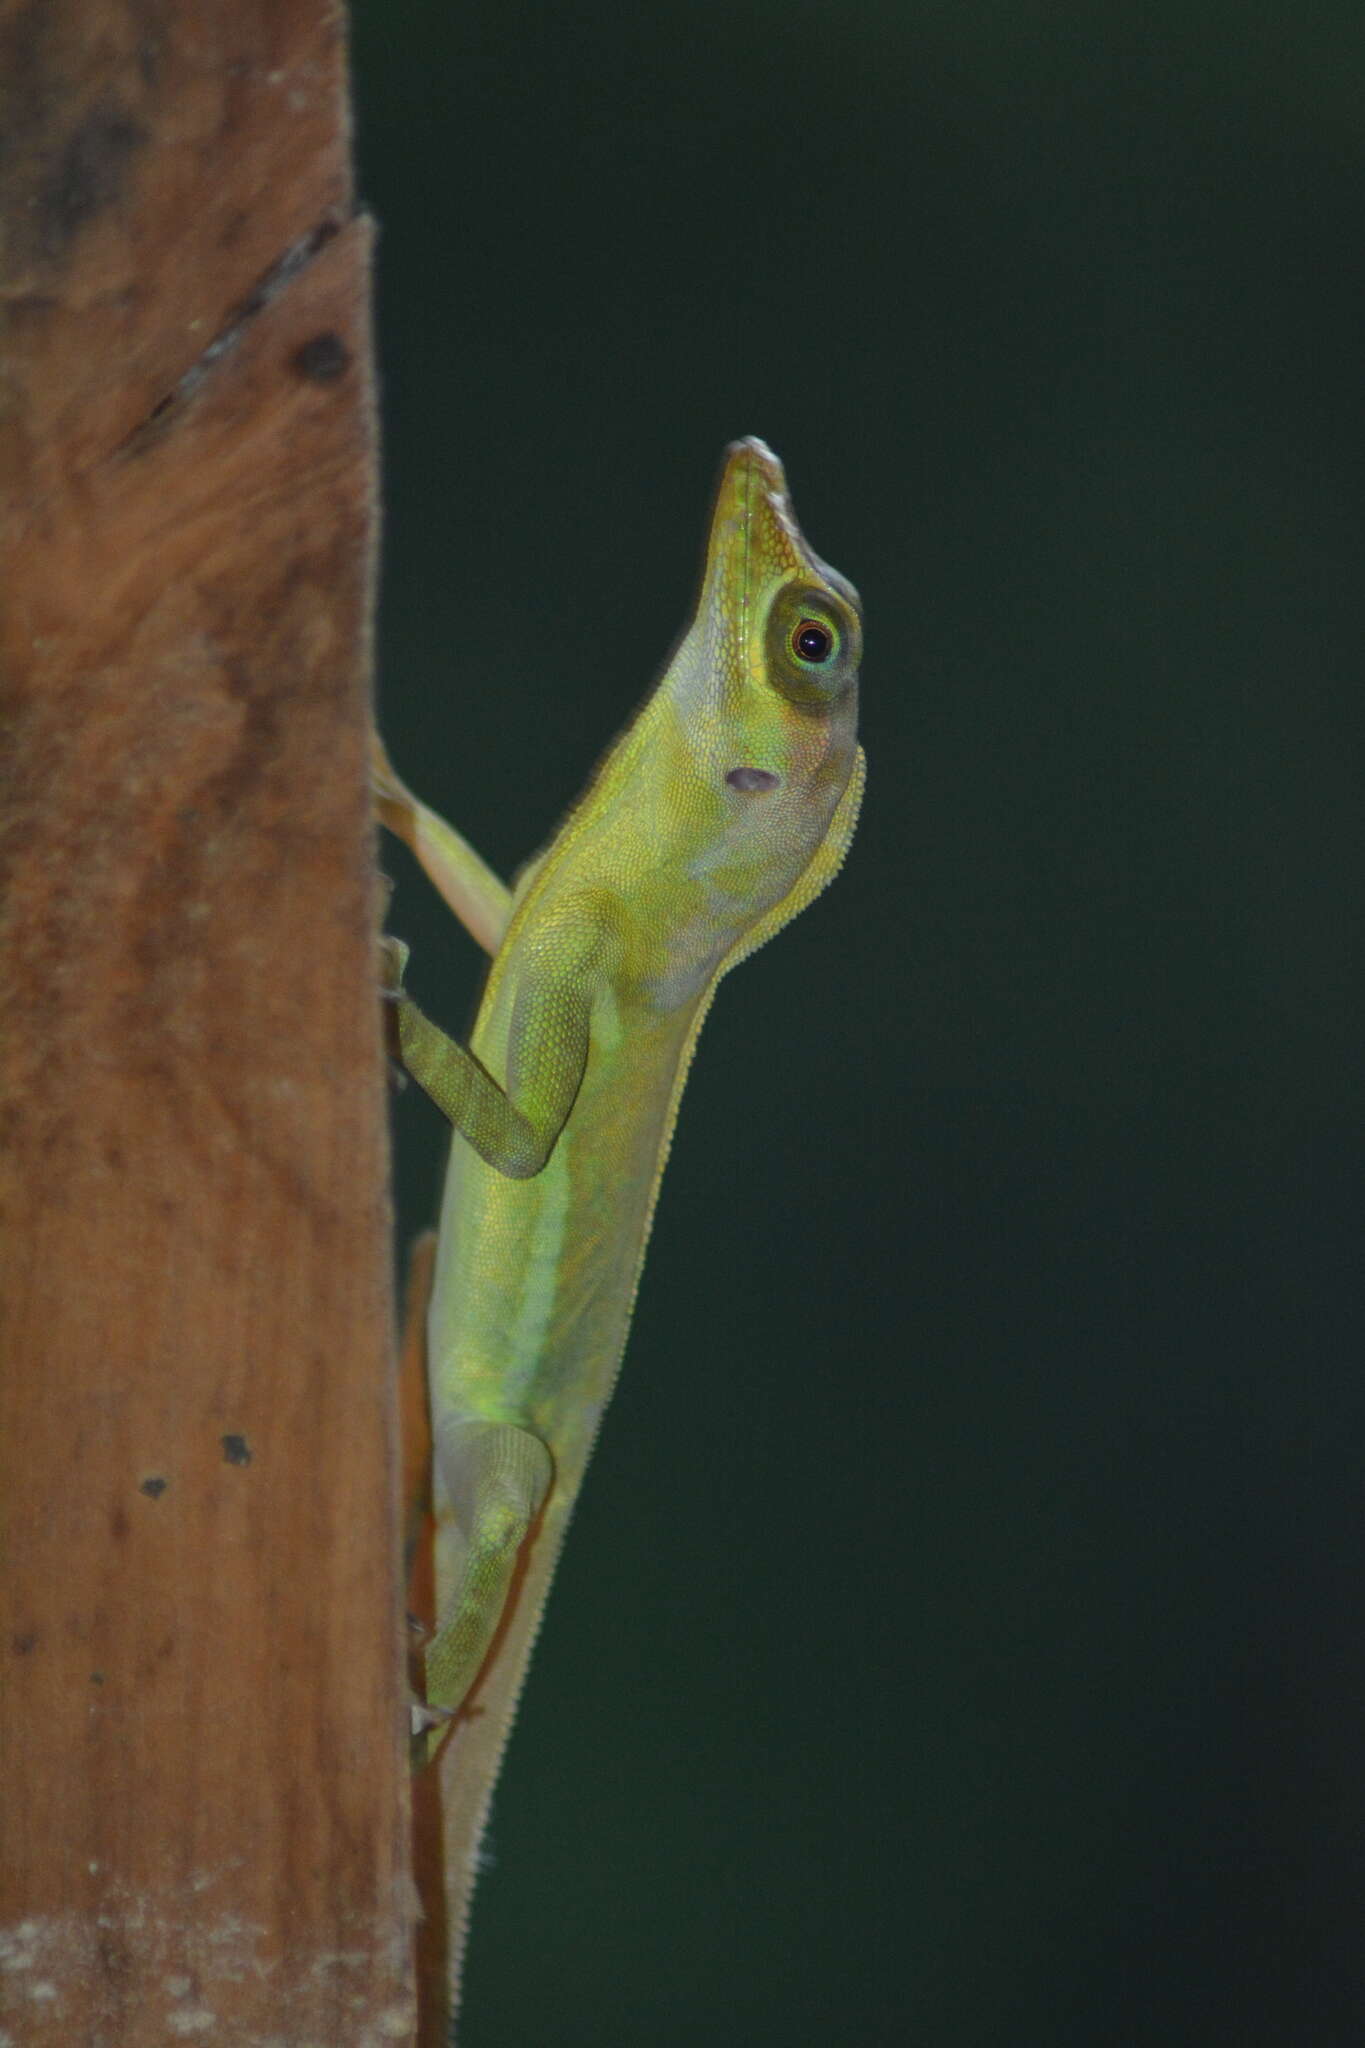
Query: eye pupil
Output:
(812,641)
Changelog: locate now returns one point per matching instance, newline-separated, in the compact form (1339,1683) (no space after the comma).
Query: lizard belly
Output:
(535,1279)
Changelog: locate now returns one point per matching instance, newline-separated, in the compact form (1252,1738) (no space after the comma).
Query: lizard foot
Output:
(393,960)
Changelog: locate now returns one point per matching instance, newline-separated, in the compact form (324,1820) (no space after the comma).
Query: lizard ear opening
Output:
(752,779)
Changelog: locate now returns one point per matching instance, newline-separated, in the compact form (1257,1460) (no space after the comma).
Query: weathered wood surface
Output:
(202,1749)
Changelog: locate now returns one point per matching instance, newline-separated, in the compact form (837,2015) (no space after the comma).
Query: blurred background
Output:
(961,1636)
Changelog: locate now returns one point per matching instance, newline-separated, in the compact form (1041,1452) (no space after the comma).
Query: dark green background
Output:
(961,1636)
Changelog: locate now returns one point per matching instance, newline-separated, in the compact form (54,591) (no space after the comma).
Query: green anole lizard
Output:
(719,813)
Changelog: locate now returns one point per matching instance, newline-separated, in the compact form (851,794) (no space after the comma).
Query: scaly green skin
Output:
(717,816)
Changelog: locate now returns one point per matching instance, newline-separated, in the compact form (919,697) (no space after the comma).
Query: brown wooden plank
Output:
(202,1748)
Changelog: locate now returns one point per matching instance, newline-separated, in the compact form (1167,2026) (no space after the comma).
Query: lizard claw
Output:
(425,1716)
(393,960)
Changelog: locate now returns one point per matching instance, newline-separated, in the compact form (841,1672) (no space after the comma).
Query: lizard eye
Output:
(812,641)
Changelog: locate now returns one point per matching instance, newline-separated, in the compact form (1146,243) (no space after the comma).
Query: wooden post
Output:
(203,1776)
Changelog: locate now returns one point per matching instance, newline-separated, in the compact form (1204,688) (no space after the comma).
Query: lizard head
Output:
(781,641)
(739,781)
(766,680)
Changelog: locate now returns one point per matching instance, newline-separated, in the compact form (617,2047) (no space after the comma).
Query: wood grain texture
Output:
(203,1770)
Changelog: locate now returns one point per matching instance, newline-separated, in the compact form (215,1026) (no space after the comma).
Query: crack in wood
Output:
(270,286)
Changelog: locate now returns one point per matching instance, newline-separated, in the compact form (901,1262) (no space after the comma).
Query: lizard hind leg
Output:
(492,1481)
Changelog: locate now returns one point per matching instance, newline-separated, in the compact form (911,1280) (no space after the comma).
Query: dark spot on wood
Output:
(113,1952)
(97,1678)
(236,1450)
(22,1644)
(322,360)
(89,175)
(153,1486)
